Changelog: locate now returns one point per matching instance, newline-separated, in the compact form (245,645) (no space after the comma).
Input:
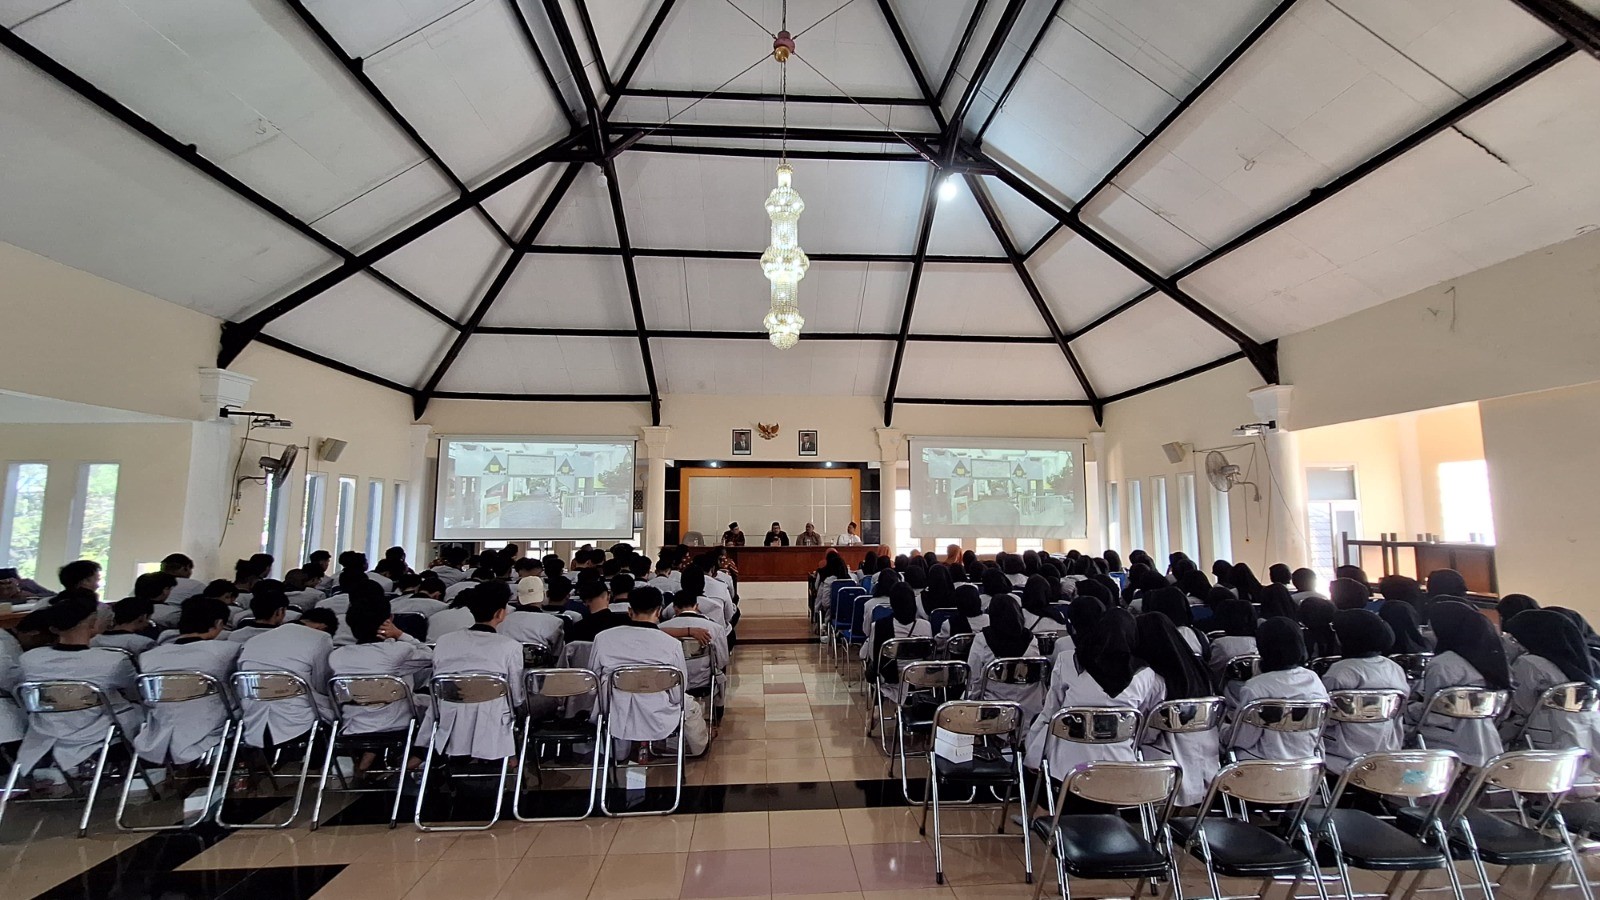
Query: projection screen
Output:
(997,488)
(542,488)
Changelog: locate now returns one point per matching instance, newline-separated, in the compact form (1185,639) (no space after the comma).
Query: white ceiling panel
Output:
(583,216)
(718,202)
(549,291)
(959,227)
(84,190)
(516,364)
(1153,339)
(1468,44)
(732,295)
(1548,131)
(987,371)
(933,28)
(1172,43)
(450,266)
(470,85)
(1025,222)
(1080,282)
(824,368)
(387,208)
(515,206)
(365,27)
(364,324)
(618,27)
(14,12)
(1144,231)
(974,299)
(247,83)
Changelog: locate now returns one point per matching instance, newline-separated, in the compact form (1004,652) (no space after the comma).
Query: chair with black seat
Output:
(1357,838)
(164,690)
(639,680)
(1463,703)
(995,765)
(1480,835)
(1112,726)
(1106,845)
(894,655)
(274,687)
(1239,849)
(959,646)
(564,728)
(926,685)
(1047,642)
(1415,665)
(694,650)
(463,689)
(369,691)
(1364,707)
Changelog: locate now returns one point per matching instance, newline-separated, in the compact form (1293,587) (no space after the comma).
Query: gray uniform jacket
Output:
(76,736)
(478,730)
(716,656)
(1031,696)
(1342,743)
(186,731)
(640,717)
(1476,740)
(1298,683)
(299,649)
(406,658)
(1548,729)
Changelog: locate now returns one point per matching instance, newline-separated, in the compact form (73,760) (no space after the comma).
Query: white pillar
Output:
(655,438)
(890,443)
(212,451)
(1097,444)
(1285,487)
(417,530)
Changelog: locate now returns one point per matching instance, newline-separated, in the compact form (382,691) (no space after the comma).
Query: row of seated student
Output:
(351,631)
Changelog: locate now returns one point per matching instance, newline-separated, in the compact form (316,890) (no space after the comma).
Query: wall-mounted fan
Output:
(1225,476)
(277,468)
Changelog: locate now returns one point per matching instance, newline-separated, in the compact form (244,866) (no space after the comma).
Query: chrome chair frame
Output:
(640,680)
(693,649)
(931,681)
(1239,781)
(448,689)
(250,684)
(1015,671)
(1090,782)
(1568,698)
(1294,717)
(1190,715)
(1001,719)
(1460,702)
(1415,665)
(1083,725)
(539,685)
(889,652)
(344,690)
(1412,774)
(150,695)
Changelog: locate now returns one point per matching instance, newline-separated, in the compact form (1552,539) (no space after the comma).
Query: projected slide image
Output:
(999,489)
(529,488)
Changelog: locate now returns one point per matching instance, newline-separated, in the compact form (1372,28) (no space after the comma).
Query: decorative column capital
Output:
(890,441)
(220,388)
(1273,403)
(655,438)
(1097,443)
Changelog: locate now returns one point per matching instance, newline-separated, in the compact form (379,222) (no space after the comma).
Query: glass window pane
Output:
(1026,544)
(1221,526)
(1161,543)
(374,520)
(95,512)
(1188,518)
(1136,537)
(988,545)
(1464,501)
(397,524)
(315,507)
(344,515)
(1113,517)
(23,516)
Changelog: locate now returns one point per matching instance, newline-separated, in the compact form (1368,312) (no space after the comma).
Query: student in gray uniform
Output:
(1005,637)
(1364,638)
(1172,603)
(300,647)
(379,649)
(478,730)
(130,620)
(185,585)
(185,732)
(301,589)
(687,616)
(1166,651)
(73,739)
(1554,653)
(1468,654)
(1284,676)
(161,590)
(640,641)
(268,610)
(1237,620)
(529,624)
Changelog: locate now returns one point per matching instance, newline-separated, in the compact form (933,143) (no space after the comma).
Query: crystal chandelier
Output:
(784,263)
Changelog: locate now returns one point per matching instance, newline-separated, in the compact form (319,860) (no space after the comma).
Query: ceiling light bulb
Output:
(948,187)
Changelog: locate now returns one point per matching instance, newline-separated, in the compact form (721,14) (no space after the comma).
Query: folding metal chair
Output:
(273,687)
(1461,703)
(537,656)
(1481,836)
(1357,838)
(847,629)
(893,655)
(563,730)
(1322,664)
(1104,845)
(1239,849)
(1047,642)
(959,646)
(1571,698)
(1000,721)
(1282,716)
(927,685)
(1241,668)
(1102,725)
(374,691)
(160,691)
(1191,715)
(1362,707)
(641,680)
(47,698)
(693,650)
(1414,664)
(463,689)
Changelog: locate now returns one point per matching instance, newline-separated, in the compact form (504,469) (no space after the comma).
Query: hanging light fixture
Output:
(784,263)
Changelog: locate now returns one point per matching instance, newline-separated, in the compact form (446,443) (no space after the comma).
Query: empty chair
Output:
(369,692)
(42,699)
(462,690)
(1105,845)
(995,765)
(927,685)
(1357,838)
(1187,730)
(258,688)
(563,729)
(162,692)
(639,681)
(1239,849)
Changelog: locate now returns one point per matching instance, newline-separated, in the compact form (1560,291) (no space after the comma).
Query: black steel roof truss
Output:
(930,196)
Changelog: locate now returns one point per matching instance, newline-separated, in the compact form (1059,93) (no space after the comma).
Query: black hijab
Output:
(1317,615)
(1460,628)
(1006,634)
(1112,560)
(1347,593)
(1277,601)
(1107,654)
(1084,614)
(1245,580)
(1579,622)
(1036,597)
(1446,583)
(1158,644)
(1547,633)
(1089,587)
(1195,584)
(1280,644)
(1399,587)
(941,593)
(1362,633)
(1511,604)
(995,582)
(1171,603)
(1236,618)
(903,601)
(1406,626)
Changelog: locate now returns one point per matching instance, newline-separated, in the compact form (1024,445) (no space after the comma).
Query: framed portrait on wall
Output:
(741,442)
(808,443)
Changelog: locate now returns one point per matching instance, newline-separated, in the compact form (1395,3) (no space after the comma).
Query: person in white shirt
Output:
(185,585)
(685,615)
(1284,676)
(379,649)
(480,575)
(479,730)
(530,581)
(850,538)
(667,579)
(185,732)
(640,717)
(449,567)
(1305,585)
(715,606)
(419,594)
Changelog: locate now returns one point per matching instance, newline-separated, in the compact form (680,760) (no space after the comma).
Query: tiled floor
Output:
(791,801)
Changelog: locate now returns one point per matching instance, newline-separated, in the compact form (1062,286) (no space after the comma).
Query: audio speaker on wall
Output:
(1175,451)
(330,449)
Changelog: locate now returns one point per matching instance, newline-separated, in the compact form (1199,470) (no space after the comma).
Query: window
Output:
(903,542)
(23,516)
(316,506)
(344,516)
(94,513)
(1113,517)
(275,522)
(1136,536)
(940,543)
(1332,511)
(374,519)
(397,524)
(1026,544)
(1464,501)
(1161,547)
(988,545)
(1221,526)
(1188,518)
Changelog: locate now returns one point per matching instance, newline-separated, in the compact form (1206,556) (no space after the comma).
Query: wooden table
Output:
(791,563)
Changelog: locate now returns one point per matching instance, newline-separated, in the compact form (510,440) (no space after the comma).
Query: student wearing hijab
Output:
(1399,587)
(1469,654)
(1103,671)
(1364,638)
(971,568)
(1347,593)
(1112,560)
(1158,642)
(1171,602)
(1037,615)
(1005,637)
(1284,676)
(1237,619)
(1083,614)
(1222,571)
(916,578)
(1446,583)
(941,591)
(994,584)
(1317,615)
(1554,653)
(1403,620)
(1506,610)
(1590,639)
(1278,573)
(902,622)
(880,592)
(969,616)
(1196,586)
(1277,601)
(1246,583)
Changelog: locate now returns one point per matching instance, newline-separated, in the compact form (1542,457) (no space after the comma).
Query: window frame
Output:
(79,507)
(8,512)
